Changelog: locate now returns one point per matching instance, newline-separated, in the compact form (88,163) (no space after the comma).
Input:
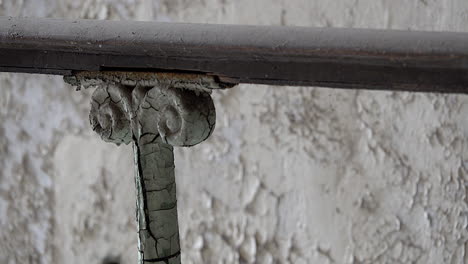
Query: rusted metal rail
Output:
(342,58)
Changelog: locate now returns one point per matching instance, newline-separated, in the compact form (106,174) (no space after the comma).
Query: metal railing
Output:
(139,68)
(326,57)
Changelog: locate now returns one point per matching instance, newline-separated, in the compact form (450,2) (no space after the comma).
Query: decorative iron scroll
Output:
(155,114)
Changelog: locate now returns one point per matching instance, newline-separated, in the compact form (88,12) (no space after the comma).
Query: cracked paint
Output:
(154,118)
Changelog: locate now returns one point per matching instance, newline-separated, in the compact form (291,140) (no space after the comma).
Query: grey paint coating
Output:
(328,57)
(155,118)
(193,40)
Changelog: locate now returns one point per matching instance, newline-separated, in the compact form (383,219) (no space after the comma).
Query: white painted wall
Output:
(290,175)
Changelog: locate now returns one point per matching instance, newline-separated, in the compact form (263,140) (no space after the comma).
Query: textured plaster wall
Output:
(290,175)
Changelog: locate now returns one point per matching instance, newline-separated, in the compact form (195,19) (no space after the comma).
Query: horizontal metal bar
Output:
(330,57)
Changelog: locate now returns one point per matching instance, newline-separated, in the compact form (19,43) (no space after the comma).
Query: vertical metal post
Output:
(155,114)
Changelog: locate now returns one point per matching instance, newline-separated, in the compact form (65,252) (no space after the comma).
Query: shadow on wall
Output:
(111,260)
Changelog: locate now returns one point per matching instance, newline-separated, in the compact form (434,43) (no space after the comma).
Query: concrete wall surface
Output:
(290,175)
